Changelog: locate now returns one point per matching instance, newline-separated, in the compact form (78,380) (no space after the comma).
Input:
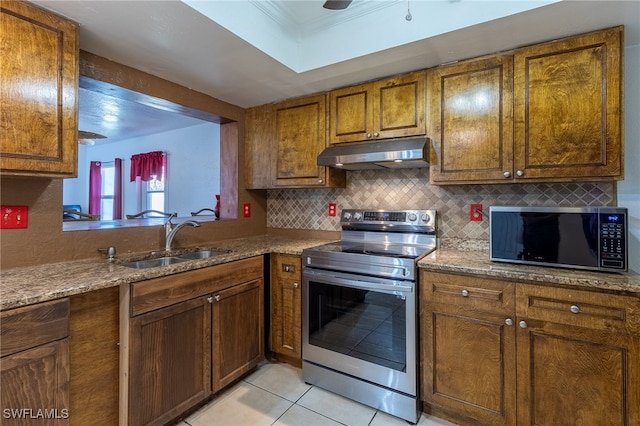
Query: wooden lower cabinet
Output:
(578,357)
(187,336)
(94,356)
(169,361)
(34,368)
(554,357)
(468,348)
(286,304)
(237,326)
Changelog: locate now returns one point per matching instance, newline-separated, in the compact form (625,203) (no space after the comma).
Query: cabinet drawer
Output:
(465,291)
(157,293)
(588,309)
(30,326)
(286,266)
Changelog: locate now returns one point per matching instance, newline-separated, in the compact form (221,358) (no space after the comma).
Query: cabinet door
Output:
(169,362)
(258,145)
(300,136)
(578,357)
(350,116)
(238,332)
(569,376)
(389,108)
(568,107)
(36,379)
(286,303)
(471,122)
(38,92)
(399,106)
(468,348)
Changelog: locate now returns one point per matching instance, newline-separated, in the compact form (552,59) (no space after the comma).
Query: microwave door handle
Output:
(367,285)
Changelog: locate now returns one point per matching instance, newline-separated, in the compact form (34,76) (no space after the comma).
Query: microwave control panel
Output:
(613,244)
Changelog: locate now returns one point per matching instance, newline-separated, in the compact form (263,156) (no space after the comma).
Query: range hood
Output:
(385,154)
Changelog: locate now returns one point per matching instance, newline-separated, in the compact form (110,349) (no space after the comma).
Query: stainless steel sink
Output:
(153,263)
(201,254)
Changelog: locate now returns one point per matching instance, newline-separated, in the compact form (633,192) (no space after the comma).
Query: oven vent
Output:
(387,154)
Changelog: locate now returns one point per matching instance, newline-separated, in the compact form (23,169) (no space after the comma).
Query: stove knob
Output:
(357,216)
(412,217)
(426,218)
(346,216)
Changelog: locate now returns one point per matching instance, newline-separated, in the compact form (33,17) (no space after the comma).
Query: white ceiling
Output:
(309,49)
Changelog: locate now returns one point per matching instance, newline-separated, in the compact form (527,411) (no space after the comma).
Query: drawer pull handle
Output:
(575,309)
(295,285)
(217,298)
(465,293)
(508,321)
(523,324)
(210,299)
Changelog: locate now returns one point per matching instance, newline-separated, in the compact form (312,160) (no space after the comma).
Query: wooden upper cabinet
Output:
(389,108)
(258,142)
(299,136)
(470,120)
(568,107)
(38,91)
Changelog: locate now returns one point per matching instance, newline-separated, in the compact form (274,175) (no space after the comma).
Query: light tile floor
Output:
(276,395)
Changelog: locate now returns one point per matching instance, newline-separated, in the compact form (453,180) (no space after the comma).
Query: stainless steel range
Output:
(360,308)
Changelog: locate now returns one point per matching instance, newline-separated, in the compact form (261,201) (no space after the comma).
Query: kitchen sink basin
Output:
(201,254)
(153,263)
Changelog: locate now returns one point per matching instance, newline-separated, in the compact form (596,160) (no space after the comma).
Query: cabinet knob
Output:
(575,309)
(295,285)
(320,181)
(217,298)
(465,293)
(287,268)
(210,299)
(368,135)
(376,134)
(520,173)
(508,321)
(523,324)
(507,174)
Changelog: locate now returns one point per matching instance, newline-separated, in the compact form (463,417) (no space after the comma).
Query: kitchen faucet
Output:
(171,232)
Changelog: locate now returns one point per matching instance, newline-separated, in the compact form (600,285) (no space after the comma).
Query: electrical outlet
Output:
(13,217)
(246,210)
(475,213)
(332,209)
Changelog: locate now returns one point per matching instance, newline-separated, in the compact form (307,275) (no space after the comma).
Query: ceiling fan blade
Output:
(336,4)
(82,134)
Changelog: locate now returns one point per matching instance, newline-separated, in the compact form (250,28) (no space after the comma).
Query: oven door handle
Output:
(357,282)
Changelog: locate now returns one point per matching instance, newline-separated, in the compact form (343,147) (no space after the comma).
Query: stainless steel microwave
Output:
(593,238)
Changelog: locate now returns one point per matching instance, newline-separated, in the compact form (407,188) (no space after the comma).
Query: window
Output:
(107,196)
(156,194)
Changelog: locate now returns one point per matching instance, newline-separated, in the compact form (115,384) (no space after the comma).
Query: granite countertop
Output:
(28,285)
(476,262)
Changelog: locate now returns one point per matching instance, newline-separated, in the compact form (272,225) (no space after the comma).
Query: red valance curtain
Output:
(146,165)
(95,187)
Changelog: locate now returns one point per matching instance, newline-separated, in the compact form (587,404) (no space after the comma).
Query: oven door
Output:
(361,326)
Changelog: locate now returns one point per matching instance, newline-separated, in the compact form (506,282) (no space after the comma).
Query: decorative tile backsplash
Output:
(410,189)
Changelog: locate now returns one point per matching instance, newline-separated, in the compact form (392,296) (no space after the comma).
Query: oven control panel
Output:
(388,217)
